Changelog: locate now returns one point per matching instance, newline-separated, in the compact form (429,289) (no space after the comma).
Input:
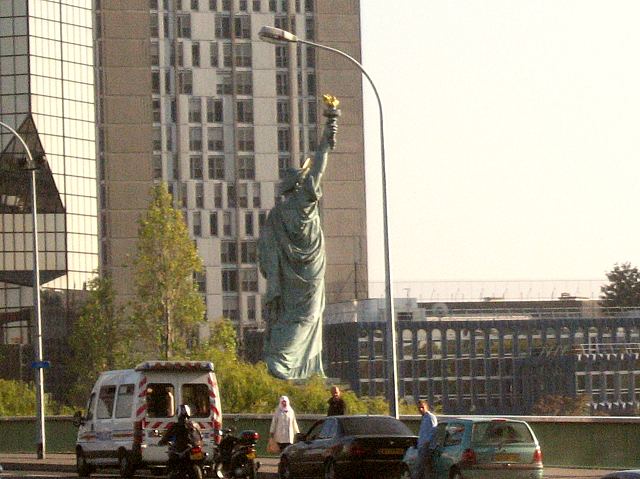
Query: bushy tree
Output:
(18,398)
(167,303)
(100,340)
(623,290)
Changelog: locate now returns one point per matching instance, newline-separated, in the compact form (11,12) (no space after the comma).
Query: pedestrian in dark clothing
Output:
(337,407)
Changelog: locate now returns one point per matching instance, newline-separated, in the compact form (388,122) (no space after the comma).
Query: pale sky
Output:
(512,135)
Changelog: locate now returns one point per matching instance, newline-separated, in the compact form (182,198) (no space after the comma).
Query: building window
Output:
(257,202)
(213,5)
(243,195)
(246,167)
(228,252)
(311,138)
(223,85)
(229,280)
(231,196)
(153,24)
(251,308)
(282,57)
(283,165)
(217,195)
(223,26)
(244,83)
(244,111)
(155,54)
(195,167)
(195,138)
(230,307)
(245,138)
(216,167)
(197,223)
(309,28)
(282,83)
(155,82)
(180,53)
(226,5)
(311,57)
(213,223)
(213,54)
(243,6)
(308,6)
(256,5)
(248,224)
(249,251)
(243,54)
(312,112)
(157,117)
(215,138)
(281,21)
(195,5)
(199,195)
(226,55)
(200,279)
(195,110)
(249,280)
(227,224)
(214,110)
(272,5)
(157,167)
(185,77)
(242,26)
(284,139)
(184,25)
(195,54)
(311,84)
(283,111)
(156,139)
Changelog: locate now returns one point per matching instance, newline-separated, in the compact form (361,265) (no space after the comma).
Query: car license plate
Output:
(502,457)
(251,455)
(197,456)
(391,451)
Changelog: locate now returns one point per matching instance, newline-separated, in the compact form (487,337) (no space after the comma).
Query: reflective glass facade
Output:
(47,93)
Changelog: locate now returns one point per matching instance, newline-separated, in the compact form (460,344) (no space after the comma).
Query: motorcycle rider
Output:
(184,433)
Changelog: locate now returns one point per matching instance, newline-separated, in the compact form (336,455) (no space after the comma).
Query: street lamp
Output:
(277,35)
(31,165)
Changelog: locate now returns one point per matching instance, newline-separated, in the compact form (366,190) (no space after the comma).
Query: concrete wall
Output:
(607,442)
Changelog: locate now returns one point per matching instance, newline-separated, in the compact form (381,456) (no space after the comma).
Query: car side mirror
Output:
(78,419)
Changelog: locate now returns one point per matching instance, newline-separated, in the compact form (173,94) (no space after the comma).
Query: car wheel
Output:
(82,466)
(330,470)
(284,469)
(126,468)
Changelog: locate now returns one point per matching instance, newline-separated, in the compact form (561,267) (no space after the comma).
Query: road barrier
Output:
(567,441)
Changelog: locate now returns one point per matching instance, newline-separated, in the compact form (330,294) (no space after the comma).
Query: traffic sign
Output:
(40,364)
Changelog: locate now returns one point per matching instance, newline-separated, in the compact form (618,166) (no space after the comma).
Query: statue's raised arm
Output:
(327,142)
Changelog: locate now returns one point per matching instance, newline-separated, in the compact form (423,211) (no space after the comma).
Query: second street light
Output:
(277,35)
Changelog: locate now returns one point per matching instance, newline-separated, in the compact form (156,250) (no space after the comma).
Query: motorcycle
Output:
(235,456)
(189,463)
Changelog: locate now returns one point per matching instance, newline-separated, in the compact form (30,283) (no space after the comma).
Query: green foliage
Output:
(623,290)
(100,340)
(167,306)
(18,398)
(557,405)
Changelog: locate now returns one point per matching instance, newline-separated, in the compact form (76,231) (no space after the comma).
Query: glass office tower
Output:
(47,95)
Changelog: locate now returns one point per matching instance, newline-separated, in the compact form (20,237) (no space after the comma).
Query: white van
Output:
(129,410)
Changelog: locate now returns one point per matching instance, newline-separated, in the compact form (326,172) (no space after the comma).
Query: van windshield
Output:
(197,397)
(503,432)
(160,400)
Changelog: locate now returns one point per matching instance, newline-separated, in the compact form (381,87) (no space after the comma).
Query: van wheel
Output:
(125,465)
(82,466)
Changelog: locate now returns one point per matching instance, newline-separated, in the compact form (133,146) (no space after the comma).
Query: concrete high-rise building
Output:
(189,95)
(47,95)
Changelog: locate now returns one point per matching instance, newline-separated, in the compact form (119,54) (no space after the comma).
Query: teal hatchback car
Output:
(482,448)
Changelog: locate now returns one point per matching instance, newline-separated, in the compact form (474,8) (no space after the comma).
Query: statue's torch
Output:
(332,113)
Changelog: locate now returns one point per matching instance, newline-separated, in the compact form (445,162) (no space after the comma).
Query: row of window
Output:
(228,230)
(227,5)
(246,278)
(246,169)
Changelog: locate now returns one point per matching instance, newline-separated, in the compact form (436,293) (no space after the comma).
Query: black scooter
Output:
(235,456)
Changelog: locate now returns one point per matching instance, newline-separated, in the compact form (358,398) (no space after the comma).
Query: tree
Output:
(101,337)
(18,398)
(558,405)
(623,290)
(167,304)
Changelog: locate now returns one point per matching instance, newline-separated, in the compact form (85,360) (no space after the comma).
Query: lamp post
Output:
(277,35)
(40,436)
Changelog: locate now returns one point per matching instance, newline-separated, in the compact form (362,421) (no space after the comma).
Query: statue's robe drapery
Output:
(292,259)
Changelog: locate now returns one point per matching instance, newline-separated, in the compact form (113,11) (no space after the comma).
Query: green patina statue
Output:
(292,258)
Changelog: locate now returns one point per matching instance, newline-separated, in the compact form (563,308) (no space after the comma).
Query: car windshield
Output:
(501,432)
(374,426)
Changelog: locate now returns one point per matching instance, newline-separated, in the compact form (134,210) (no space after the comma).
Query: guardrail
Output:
(566,441)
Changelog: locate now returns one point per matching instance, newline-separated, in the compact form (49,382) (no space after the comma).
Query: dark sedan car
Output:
(350,447)
(630,474)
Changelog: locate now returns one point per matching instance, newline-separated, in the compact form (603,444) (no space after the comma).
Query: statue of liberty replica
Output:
(291,255)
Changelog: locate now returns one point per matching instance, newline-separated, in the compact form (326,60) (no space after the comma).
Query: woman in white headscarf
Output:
(284,426)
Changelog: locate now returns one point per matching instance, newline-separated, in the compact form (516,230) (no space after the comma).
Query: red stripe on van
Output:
(141,410)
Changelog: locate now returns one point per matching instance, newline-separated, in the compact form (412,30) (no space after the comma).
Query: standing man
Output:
(337,407)
(426,441)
